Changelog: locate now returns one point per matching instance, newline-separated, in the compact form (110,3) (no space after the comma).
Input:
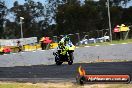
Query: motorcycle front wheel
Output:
(71,57)
(58,63)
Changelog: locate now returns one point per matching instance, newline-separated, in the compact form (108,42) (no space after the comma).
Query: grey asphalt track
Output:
(42,73)
(82,55)
(114,52)
(39,66)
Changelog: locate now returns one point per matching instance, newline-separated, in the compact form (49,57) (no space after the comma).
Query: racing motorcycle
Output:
(67,57)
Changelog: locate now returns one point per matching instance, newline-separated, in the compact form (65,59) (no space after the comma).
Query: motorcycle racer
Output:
(65,51)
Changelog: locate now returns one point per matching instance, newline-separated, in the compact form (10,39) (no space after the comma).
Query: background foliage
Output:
(57,17)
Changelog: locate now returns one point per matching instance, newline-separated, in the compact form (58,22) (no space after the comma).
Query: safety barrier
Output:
(15,49)
(28,47)
(31,47)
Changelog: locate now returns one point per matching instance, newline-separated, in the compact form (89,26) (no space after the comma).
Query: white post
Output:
(21,18)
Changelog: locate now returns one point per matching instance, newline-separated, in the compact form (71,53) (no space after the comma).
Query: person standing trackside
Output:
(43,46)
(19,46)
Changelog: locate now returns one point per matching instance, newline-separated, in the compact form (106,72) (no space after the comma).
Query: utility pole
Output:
(21,22)
(109,20)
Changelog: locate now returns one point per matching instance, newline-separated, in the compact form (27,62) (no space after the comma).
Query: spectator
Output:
(19,46)
(42,43)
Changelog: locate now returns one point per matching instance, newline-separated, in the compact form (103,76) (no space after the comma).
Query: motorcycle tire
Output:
(71,57)
(58,63)
(70,62)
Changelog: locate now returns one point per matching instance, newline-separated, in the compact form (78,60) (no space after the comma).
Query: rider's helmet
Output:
(67,38)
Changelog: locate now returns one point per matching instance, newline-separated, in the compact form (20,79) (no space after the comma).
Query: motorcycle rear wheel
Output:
(58,63)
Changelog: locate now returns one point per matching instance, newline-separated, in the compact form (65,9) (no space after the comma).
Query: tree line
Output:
(59,17)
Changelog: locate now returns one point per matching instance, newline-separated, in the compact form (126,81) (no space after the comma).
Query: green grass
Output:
(120,86)
(37,85)
(62,85)
(107,43)
(122,41)
(17,85)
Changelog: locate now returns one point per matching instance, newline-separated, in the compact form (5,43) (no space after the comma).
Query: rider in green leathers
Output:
(64,44)
(65,51)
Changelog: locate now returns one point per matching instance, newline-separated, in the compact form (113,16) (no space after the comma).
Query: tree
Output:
(56,17)
(3,12)
(31,12)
